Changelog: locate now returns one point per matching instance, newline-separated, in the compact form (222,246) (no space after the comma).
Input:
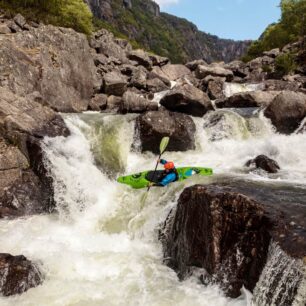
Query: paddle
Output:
(162,148)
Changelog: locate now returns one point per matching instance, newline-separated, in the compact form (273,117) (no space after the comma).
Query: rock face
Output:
(187,99)
(55,62)
(153,126)
(17,275)
(165,34)
(240,231)
(224,233)
(264,163)
(287,111)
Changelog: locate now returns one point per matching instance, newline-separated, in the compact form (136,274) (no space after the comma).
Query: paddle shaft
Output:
(155,170)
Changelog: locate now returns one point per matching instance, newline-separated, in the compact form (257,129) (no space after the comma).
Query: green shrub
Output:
(66,13)
(285,63)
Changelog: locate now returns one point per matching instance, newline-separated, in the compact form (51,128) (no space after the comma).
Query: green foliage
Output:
(66,13)
(291,26)
(285,63)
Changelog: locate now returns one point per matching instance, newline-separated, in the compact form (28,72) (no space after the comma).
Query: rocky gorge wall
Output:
(165,34)
(45,70)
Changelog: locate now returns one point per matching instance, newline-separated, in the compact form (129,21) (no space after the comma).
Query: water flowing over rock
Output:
(227,231)
(264,163)
(187,99)
(153,126)
(287,111)
(17,275)
(224,233)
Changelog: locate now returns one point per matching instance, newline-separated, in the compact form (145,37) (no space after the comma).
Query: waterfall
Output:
(282,281)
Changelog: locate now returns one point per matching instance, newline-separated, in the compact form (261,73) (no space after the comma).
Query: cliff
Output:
(165,34)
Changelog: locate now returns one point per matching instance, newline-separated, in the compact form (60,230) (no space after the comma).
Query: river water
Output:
(90,251)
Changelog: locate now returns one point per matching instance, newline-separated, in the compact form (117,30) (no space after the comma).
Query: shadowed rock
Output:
(264,163)
(153,126)
(187,99)
(17,275)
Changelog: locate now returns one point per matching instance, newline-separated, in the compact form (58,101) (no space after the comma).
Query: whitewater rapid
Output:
(89,252)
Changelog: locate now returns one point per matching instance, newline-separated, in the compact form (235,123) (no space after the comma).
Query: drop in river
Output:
(89,252)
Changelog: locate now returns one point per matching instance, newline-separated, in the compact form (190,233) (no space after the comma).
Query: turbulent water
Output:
(94,251)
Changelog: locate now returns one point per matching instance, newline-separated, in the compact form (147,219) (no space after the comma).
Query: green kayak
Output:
(142,179)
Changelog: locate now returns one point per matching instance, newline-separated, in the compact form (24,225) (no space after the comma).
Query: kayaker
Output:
(168,176)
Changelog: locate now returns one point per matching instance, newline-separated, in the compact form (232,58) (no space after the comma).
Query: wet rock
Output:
(114,83)
(223,232)
(203,71)
(134,103)
(98,103)
(187,99)
(174,72)
(141,57)
(17,275)
(247,99)
(49,60)
(265,163)
(287,111)
(153,126)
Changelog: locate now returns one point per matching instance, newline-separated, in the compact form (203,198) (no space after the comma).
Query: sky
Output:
(235,19)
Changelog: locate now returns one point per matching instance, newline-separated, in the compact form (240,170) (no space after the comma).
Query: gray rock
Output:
(174,72)
(287,111)
(4,29)
(272,53)
(114,83)
(49,60)
(153,126)
(141,57)
(14,27)
(265,163)
(248,99)
(134,103)
(20,20)
(215,89)
(203,71)
(113,104)
(158,60)
(139,79)
(98,103)
(17,274)
(187,99)
(194,64)
(239,68)
(156,85)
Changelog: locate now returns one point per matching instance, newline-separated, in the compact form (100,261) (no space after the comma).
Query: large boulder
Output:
(134,103)
(265,163)
(153,126)
(56,62)
(287,111)
(98,103)
(25,187)
(114,83)
(17,275)
(215,88)
(248,99)
(158,60)
(221,232)
(187,99)
(141,57)
(174,72)
(238,68)
(203,71)
(193,65)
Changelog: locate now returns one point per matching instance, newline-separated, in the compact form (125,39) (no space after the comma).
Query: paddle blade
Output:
(163,144)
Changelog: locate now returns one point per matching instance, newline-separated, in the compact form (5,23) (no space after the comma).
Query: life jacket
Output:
(171,171)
